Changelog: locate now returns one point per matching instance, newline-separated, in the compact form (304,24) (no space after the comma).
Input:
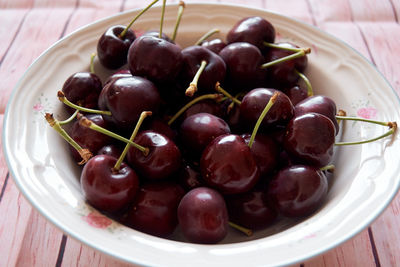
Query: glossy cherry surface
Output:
(310,138)
(154,210)
(163,160)
(203,217)
(298,190)
(189,178)
(110,150)
(228,165)
(154,58)
(214,45)
(112,50)
(105,188)
(198,130)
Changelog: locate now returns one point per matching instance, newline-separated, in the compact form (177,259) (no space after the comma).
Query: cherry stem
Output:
(62,98)
(206,35)
(329,168)
(162,19)
(392,129)
(178,19)
(55,124)
(292,49)
(191,103)
(301,53)
(122,34)
(219,89)
(121,158)
(69,119)
(310,91)
(193,85)
(270,103)
(242,229)
(92,56)
(85,122)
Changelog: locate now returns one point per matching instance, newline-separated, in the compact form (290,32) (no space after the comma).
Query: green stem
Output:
(345,118)
(219,89)
(206,35)
(122,34)
(191,103)
(193,85)
(310,91)
(83,152)
(390,132)
(329,167)
(89,124)
(162,19)
(92,56)
(278,46)
(298,54)
(62,98)
(242,229)
(178,20)
(69,119)
(260,119)
(121,158)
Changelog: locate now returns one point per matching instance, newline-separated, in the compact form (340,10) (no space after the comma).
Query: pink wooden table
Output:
(28,27)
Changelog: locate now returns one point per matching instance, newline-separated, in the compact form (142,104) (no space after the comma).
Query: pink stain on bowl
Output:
(367,113)
(38,107)
(97,220)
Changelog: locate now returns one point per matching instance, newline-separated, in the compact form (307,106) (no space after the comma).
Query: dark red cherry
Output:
(163,160)
(319,104)
(127,97)
(204,106)
(83,89)
(253,30)
(296,94)
(156,34)
(203,217)
(154,210)
(243,62)
(215,45)
(112,50)
(198,130)
(158,125)
(310,138)
(228,165)
(254,102)
(251,209)
(265,151)
(105,188)
(298,190)
(154,58)
(119,74)
(214,71)
(110,150)
(189,178)
(88,138)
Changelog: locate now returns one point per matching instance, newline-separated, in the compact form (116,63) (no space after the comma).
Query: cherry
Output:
(156,34)
(251,209)
(253,30)
(126,98)
(205,106)
(119,74)
(214,45)
(198,130)
(298,190)
(243,61)
(265,152)
(154,210)
(203,217)
(110,150)
(213,72)
(154,58)
(228,165)
(310,138)
(87,138)
(163,159)
(189,178)
(318,104)
(253,104)
(160,126)
(104,187)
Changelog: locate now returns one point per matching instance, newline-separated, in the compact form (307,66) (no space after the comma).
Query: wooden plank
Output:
(344,255)
(371,11)
(326,11)
(396,8)
(297,9)
(26,4)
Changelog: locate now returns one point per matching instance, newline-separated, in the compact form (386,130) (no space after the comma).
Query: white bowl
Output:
(365,181)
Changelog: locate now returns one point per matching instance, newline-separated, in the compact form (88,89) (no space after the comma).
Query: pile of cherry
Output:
(215,135)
